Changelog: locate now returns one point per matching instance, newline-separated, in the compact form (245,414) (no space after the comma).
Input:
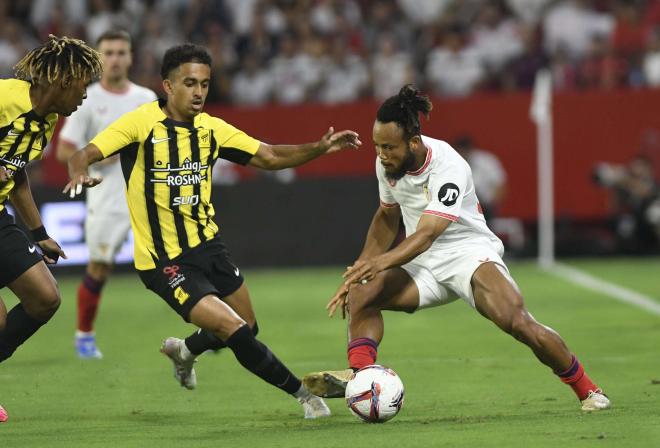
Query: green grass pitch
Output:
(467,384)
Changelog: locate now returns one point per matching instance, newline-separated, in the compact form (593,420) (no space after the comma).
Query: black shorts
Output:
(17,252)
(185,280)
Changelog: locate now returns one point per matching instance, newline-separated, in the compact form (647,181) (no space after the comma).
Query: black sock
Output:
(258,359)
(203,340)
(18,329)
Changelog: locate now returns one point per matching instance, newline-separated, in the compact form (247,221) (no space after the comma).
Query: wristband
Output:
(39,234)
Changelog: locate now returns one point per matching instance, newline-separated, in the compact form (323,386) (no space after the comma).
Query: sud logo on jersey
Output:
(448,194)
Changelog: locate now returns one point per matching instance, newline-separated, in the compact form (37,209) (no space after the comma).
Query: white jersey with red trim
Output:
(101,108)
(442,187)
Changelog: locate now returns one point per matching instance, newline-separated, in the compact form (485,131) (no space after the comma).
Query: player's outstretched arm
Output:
(23,201)
(428,229)
(78,165)
(277,157)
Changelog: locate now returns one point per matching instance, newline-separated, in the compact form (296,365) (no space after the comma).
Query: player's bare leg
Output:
(203,340)
(216,316)
(498,299)
(88,298)
(39,298)
(392,290)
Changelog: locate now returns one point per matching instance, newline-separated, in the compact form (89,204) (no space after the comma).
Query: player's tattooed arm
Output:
(78,170)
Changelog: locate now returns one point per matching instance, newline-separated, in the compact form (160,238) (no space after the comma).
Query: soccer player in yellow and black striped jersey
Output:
(167,149)
(51,80)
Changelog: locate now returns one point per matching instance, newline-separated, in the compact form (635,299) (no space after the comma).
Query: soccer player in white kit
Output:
(448,253)
(107,222)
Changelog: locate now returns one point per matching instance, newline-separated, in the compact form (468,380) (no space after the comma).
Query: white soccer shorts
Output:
(105,234)
(442,277)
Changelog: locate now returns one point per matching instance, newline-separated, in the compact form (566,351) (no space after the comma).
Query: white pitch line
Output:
(609,289)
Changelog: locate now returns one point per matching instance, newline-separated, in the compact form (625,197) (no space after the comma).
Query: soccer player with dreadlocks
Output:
(51,80)
(448,253)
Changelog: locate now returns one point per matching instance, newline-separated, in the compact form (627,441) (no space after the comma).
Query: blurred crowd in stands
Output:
(333,51)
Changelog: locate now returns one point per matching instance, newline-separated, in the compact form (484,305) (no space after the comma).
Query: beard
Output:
(408,164)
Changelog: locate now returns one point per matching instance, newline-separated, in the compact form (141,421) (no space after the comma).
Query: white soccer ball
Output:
(375,394)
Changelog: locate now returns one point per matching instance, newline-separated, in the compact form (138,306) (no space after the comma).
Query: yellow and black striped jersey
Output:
(167,166)
(23,134)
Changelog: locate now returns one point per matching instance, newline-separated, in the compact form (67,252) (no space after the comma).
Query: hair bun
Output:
(408,94)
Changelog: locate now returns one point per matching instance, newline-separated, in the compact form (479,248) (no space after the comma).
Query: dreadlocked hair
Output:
(60,59)
(404,109)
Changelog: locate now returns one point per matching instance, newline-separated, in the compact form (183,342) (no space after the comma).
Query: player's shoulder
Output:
(439,151)
(142,117)
(14,91)
(444,156)
(144,92)
(207,120)
(15,99)
(14,85)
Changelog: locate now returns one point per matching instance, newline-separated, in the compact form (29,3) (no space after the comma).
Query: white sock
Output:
(82,334)
(302,394)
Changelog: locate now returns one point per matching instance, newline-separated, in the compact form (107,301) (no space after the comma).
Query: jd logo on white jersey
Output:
(448,194)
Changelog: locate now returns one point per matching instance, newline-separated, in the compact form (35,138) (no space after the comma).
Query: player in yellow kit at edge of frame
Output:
(51,80)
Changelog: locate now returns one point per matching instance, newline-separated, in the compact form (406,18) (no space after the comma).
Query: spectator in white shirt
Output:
(345,77)
(453,69)
(651,64)
(496,37)
(252,85)
(572,24)
(423,12)
(291,71)
(391,68)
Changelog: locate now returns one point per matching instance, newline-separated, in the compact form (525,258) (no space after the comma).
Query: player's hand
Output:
(76,184)
(51,251)
(5,175)
(340,299)
(363,271)
(336,141)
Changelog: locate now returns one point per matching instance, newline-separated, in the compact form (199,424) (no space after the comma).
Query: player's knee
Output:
(224,328)
(362,297)
(99,271)
(45,305)
(51,303)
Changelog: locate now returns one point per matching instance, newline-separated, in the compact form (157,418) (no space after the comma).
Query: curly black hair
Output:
(404,109)
(181,54)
